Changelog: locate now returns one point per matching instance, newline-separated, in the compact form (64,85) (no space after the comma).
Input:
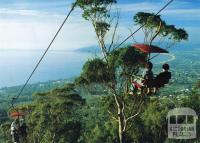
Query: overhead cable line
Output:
(165,6)
(14,99)
(158,54)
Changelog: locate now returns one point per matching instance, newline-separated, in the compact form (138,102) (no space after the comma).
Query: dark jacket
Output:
(162,78)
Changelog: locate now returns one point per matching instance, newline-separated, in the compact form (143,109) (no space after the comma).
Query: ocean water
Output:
(16,66)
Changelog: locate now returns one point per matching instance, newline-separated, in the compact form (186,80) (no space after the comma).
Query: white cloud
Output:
(7,11)
(18,14)
(187,14)
(29,35)
(136,7)
(175,9)
(34,30)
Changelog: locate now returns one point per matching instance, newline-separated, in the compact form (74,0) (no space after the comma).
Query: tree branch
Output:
(123,107)
(157,32)
(112,115)
(114,32)
(131,117)
(132,35)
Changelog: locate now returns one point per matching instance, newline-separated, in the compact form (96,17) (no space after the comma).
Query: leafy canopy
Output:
(152,21)
(99,71)
(95,8)
(54,116)
(96,71)
(98,12)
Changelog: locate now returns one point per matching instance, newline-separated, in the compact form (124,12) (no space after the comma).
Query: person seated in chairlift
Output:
(155,83)
(146,80)
(23,129)
(163,77)
(15,131)
(148,77)
(148,74)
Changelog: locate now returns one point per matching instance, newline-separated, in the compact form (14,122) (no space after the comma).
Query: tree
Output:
(154,27)
(53,116)
(98,13)
(118,66)
(154,118)
(5,132)
(114,76)
(97,125)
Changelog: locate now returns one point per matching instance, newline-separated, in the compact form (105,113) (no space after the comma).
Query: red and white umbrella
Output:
(149,49)
(17,114)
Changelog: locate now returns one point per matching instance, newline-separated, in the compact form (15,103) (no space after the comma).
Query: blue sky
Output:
(30,24)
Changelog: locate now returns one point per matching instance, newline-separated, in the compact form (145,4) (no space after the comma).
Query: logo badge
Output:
(182,123)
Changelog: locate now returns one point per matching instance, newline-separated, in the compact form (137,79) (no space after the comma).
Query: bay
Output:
(16,66)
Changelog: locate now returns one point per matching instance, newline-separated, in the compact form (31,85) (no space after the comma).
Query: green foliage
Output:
(3,115)
(155,122)
(99,71)
(98,12)
(54,116)
(102,28)
(7,93)
(95,71)
(127,58)
(197,85)
(5,133)
(134,106)
(192,101)
(66,114)
(98,127)
(62,115)
(94,8)
(152,21)
(149,20)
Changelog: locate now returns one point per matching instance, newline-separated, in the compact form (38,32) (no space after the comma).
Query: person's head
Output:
(22,120)
(165,67)
(17,120)
(149,66)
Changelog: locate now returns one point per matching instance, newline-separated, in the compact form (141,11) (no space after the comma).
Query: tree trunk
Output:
(120,126)
(121,134)
(53,140)
(103,50)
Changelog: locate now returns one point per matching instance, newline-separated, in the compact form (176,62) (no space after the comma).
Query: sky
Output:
(31,24)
